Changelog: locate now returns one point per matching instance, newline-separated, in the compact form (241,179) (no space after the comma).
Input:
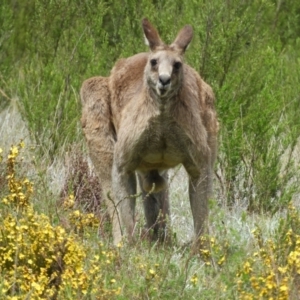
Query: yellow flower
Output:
(221,261)
(247,267)
(194,279)
(14,151)
(152,272)
(282,270)
(283,288)
(76,213)
(36,286)
(21,256)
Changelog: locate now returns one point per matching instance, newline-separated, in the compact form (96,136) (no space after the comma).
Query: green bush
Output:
(244,49)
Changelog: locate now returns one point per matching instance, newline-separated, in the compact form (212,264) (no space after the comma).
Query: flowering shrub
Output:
(21,189)
(42,261)
(213,252)
(273,271)
(78,221)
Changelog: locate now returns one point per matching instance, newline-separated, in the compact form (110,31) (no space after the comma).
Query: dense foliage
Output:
(245,49)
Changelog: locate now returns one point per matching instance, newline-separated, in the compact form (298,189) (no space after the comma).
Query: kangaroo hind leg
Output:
(156,204)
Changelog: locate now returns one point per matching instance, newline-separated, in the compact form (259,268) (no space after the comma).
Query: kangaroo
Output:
(151,114)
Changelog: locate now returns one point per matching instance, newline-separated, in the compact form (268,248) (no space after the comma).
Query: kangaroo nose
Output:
(164,79)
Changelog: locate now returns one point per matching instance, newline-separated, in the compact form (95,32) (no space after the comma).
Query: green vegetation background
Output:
(247,50)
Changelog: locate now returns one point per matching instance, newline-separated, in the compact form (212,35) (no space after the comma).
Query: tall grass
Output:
(49,48)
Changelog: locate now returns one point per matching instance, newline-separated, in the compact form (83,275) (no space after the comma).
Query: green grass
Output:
(226,269)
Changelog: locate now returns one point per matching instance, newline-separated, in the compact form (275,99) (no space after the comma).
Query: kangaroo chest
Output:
(162,144)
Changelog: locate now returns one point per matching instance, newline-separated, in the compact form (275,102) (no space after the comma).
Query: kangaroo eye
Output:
(153,62)
(177,65)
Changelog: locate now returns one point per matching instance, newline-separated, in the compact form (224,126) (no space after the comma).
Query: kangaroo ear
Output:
(183,38)
(151,35)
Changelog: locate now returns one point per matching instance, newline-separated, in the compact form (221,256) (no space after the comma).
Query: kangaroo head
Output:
(164,69)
